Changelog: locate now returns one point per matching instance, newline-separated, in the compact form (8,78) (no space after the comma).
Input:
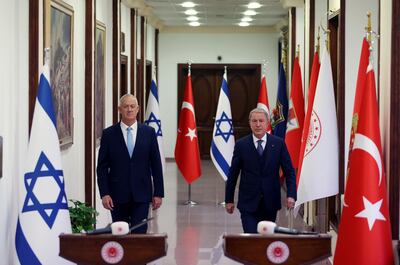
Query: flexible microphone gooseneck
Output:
(269,228)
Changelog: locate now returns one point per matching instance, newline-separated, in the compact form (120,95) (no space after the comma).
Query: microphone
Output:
(269,228)
(118,228)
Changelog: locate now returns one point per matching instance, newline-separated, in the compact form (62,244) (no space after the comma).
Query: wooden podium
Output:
(277,248)
(108,249)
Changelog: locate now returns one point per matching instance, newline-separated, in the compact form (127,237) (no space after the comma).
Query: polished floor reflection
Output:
(194,232)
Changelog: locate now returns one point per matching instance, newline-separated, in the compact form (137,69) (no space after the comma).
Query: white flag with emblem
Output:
(318,175)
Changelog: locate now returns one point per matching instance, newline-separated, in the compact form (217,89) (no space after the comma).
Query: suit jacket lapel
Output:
(268,151)
(139,135)
(252,146)
(120,137)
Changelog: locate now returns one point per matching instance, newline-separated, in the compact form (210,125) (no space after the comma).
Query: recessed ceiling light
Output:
(247,19)
(194,24)
(250,13)
(244,24)
(189,4)
(191,12)
(253,5)
(192,18)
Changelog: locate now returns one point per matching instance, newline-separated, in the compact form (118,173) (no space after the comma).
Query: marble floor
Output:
(194,232)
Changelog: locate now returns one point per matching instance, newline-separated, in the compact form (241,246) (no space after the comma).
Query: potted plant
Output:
(83,217)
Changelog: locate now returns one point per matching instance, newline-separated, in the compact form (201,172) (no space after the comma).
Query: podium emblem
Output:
(112,252)
(277,252)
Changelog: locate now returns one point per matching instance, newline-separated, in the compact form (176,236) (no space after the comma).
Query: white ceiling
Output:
(217,12)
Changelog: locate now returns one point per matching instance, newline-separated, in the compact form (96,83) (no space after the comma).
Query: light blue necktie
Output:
(259,147)
(129,141)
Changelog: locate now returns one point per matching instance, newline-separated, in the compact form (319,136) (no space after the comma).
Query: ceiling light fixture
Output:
(247,19)
(191,12)
(192,18)
(188,4)
(250,13)
(194,24)
(253,5)
(244,24)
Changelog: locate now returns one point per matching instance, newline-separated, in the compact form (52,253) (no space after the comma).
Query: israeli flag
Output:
(43,209)
(152,117)
(223,140)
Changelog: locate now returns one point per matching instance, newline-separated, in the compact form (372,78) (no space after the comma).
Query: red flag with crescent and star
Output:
(364,235)
(187,155)
(360,85)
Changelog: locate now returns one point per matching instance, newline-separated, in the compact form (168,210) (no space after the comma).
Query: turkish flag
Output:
(187,154)
(295,119)
(365,233)
(262,102)
(361,78)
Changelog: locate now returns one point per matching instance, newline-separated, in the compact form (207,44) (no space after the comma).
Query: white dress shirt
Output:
(124,128)
(264,142)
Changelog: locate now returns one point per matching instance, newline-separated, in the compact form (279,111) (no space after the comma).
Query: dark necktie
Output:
(259,147)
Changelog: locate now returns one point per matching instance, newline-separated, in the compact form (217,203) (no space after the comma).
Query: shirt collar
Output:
(264,138)
(124,126)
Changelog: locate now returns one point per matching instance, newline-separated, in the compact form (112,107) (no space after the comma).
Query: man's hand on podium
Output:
(230,207)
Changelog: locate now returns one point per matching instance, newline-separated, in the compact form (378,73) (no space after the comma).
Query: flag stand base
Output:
(190,203)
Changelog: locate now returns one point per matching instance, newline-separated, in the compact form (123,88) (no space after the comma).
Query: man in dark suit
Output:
(258,158)
(129,169)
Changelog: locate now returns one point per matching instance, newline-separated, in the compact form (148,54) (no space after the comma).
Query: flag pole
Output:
(189,201)
(223,202)
(318,40)
(264,67)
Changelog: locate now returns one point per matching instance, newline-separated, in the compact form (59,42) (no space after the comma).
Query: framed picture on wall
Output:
(61,54)
(99,80)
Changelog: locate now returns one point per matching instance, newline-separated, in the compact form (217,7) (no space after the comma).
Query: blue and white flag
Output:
(152,117)
(43,207)
(223,141)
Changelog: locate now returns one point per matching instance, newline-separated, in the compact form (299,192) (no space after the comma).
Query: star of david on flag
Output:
(223,141)
(224,127)
(51,177)
(43,214)
(152,117)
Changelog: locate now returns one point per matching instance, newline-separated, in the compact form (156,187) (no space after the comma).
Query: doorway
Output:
(243,82)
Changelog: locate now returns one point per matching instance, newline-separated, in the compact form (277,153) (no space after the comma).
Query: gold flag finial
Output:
(264,67)
(328,39)
(283,52)
(369,28)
